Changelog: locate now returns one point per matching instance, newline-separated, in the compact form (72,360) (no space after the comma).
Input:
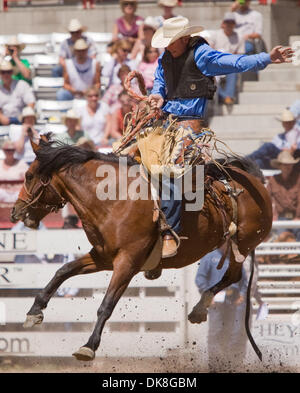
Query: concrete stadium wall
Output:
(280,20)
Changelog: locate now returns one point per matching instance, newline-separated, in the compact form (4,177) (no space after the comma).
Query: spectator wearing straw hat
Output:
(150,25)
(21,67)
(66,51)
(168,7)
(288,140)
(284,188)
(22,134)
(73,133)
(14,95)
(126,26)
(12,172)
(80,73)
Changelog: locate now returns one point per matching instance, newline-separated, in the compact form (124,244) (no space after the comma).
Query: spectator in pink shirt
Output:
(126,26)
(148,66)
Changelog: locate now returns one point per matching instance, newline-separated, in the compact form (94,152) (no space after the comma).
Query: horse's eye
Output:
(29,176)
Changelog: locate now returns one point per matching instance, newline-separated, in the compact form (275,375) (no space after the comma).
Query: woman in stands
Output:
(94,118)
(126,26)
(120,56)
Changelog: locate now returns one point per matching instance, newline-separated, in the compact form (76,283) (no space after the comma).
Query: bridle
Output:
(31,199)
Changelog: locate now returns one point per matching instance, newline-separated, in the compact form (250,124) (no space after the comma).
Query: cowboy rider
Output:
(183,83)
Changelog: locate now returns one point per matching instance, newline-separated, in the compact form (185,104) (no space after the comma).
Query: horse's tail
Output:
(248,309)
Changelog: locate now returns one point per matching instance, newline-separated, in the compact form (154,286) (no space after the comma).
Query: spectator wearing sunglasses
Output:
(66,51)
(94,118)
(120,56)
(14,95)
(80,73)
(126,26)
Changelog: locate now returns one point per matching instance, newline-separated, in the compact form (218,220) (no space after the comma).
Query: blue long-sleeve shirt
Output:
(211,63)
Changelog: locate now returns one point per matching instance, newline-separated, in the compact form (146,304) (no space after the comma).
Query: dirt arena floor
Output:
(171,364)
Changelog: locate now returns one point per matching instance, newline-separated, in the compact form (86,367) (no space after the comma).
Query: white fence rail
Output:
(147,322)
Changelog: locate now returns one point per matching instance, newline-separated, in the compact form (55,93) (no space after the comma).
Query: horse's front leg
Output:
(82,265)
(233,274)
(124,270)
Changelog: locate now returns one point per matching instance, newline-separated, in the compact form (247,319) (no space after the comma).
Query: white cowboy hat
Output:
(6,66)
(168,3)
(27,111)
(229,16)
(286,115)
(71,114)
(75,25)
(149,21)
(172,30)
(13,41)
(284,157)
(80,44)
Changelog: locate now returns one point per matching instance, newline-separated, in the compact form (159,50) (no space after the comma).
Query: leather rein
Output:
(32,199)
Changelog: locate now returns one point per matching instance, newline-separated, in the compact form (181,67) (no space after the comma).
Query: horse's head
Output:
(38,197)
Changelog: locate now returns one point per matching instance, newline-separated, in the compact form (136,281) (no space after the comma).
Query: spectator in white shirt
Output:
(249,24)
(14,95)
(227,40)
(66,50)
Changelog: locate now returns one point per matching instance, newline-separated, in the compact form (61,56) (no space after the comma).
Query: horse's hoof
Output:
(85,354)
(32,320)
(196,317)
(152,274)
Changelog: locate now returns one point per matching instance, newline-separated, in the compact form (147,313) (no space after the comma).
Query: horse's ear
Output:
(35,146)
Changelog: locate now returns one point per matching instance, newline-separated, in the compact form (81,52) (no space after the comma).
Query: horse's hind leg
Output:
(233,274)
(124,270)
(82,265)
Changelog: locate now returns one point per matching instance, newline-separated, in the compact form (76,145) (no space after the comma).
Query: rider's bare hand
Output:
(156,101)
(281,55)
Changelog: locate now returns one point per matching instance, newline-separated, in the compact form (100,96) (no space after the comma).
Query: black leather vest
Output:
(182,76)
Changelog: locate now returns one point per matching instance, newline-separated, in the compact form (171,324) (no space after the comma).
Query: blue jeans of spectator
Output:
(57,71)
(264,154)
(249,48)
(171,203)
(230,86)
(64,95)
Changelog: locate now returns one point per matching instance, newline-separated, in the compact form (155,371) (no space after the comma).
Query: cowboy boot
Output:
(169,248)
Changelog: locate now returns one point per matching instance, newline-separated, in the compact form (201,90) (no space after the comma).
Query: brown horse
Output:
(123,233)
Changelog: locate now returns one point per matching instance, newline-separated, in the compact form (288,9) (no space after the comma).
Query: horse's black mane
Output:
(54,156)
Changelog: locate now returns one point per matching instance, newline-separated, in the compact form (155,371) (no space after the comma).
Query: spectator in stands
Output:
(150,25)
(90,2)
(284,188)
(126,104)
(227,339)
(289,139)
(148,66)
(21,67)
(249,25)
(73,133)
(227,40)
(14,95)
(110,97)
(120,56)
(94,117)
(167,6)
(22,134)
(295,109)
(12,173)
(126,26)
(66,50)
(80,73)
